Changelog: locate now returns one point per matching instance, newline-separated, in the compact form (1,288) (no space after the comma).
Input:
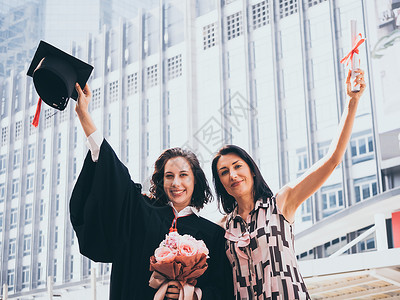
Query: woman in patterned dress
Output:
(259,225)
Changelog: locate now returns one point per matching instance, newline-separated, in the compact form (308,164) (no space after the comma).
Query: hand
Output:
(84,96)
(358,80)
(172,291)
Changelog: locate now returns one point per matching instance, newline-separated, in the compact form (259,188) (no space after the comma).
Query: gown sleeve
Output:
(102,205)
(219,282)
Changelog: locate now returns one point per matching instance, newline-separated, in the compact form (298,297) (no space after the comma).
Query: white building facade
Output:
(264,75)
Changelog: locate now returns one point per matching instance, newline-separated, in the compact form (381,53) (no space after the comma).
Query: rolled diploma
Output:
(355,62)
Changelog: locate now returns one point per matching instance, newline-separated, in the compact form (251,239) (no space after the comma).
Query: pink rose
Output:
(202,248)
(164,254)
(187,246)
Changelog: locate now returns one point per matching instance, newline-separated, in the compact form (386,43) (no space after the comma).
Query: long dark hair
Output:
(201,193)
(260,189)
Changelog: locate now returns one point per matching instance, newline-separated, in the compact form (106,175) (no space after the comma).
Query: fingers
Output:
(172,291)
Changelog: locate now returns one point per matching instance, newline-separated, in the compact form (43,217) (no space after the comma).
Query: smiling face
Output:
(178,182)
(235,175)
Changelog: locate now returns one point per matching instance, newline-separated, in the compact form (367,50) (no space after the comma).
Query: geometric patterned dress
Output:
(261,252)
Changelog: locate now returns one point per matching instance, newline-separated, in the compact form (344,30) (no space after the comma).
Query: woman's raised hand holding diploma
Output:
(82,111)
(358,80)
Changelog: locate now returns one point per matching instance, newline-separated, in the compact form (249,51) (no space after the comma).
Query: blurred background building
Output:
(264,75)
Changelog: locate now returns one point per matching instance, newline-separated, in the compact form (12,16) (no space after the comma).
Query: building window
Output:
(40,273)
(315,2)
(152,75)
(365,188)
(55,270)
(27,244)
(113,91)
(58,172)
(175,66)
(109,121)
(305,210)
(63,115)
(28,213)
(71,268)
(31,153)
(2,164)
(57,205)
(41,241)
(10,279)
(127,118)
(59,143)
(48,118)
(368,244)
(132,83)
(4,135)
(74,169)
(29,183)
(234,25)
(302,160)
(44,149)
(287,8)
(75,136)
(209,35)
(18,130)
(11,249)
(44,175)
(32,129)
(2,192)
(362,148)
(25,276)
(55,237)
(332,199)
(260,14)
(42,209)
(96,98)
(13,218)
(15,188)
(127,150)
(17,158)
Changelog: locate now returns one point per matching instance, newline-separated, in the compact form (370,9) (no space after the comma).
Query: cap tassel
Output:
(35,121)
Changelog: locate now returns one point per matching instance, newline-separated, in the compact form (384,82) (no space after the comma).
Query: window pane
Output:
(353,148)
(371,244)
(324,202)
(374,189)
(358,194)
(361,146)
(340,196)
(332,200)
(370,144)
(365,191)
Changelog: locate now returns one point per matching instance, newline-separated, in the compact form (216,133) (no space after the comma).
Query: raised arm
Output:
(82,111)
(296,192)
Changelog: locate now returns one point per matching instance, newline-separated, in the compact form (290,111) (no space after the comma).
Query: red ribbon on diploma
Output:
(349,56)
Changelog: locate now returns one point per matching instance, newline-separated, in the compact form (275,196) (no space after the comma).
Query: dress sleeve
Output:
(103,205)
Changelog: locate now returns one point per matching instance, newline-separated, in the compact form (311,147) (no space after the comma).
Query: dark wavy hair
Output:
(201,193)
(260,188)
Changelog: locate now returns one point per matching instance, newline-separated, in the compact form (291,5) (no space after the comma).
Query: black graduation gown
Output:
(115,223)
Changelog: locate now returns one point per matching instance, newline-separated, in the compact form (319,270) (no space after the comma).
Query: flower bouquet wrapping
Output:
(181,258)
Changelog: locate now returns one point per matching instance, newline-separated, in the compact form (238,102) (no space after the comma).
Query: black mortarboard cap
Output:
(55,73)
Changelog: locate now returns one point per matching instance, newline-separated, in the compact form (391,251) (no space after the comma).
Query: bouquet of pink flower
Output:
(181,258)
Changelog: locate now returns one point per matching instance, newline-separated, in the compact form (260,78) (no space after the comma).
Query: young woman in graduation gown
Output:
(259,225)
(116,223)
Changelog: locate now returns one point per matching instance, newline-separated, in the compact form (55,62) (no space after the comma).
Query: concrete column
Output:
(380,232)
